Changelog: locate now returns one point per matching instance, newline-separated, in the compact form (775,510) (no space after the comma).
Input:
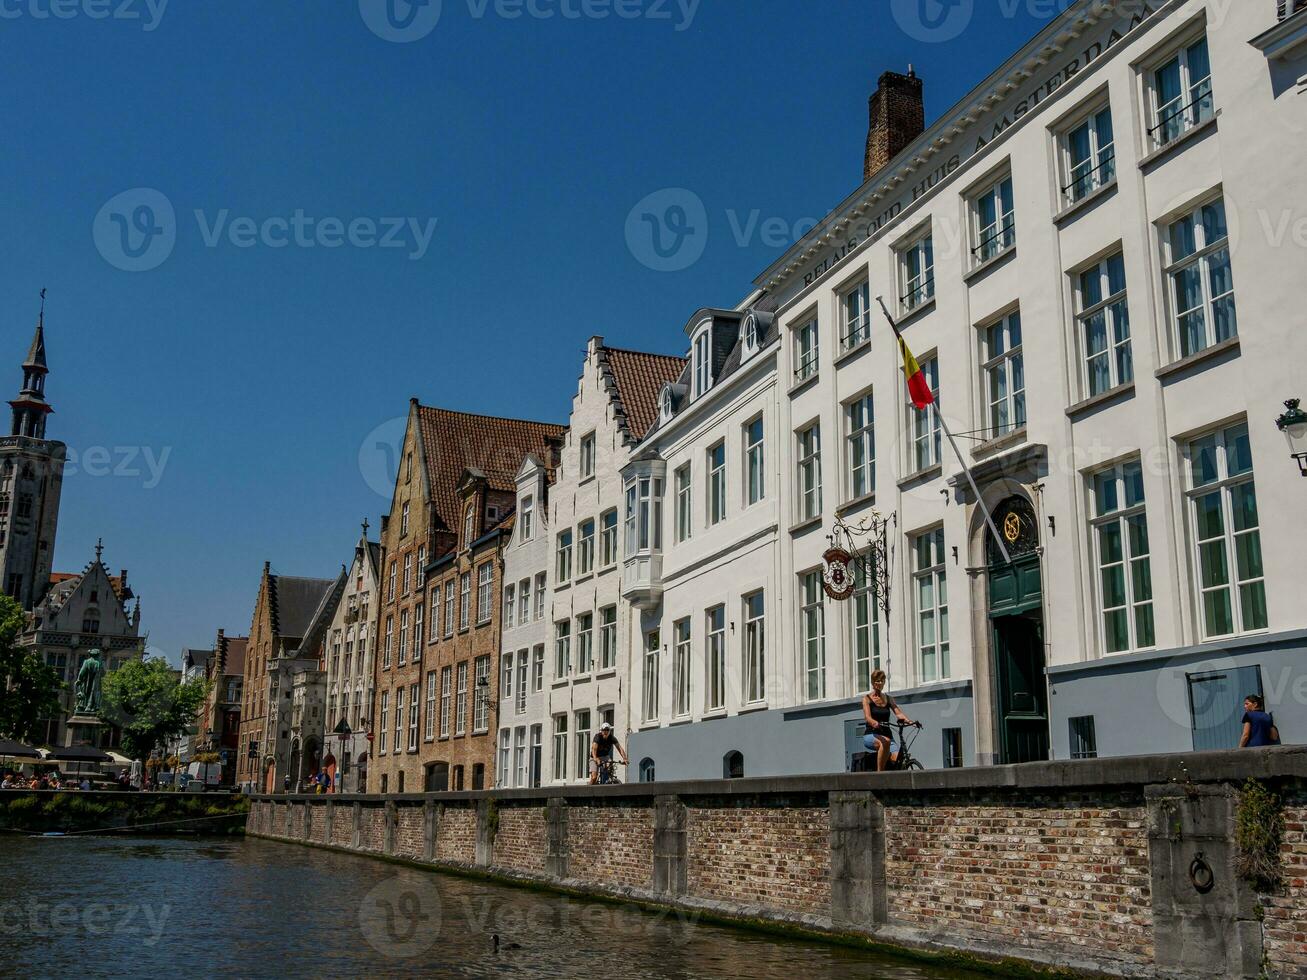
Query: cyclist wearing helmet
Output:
(881,738)
(601,752)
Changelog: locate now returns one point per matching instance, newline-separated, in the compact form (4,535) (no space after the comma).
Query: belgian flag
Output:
(918,386)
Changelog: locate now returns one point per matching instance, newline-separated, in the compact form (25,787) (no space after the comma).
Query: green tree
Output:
(149,705)
(29,688)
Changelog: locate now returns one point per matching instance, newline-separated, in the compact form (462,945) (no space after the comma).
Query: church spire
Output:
(30,407)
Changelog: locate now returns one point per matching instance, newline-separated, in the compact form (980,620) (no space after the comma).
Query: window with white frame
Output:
(582,741)
(585,643)
(418,626)
(993,221)
(755,649)
(501,773)
(399,720)
(809,471)
(449,608)
(684,504)
(608,538)
(1003,372)
(408,571)
(715,659)
(538,668)
(644,515)
(1120,539)
(805,350)
(506,682)
(460,700)
(585,547)
(389,644)
(394,575)
(917,273)
(429,733)
(562,649)
(1088,155)
(403,520)
(485,591)
(560,748)
(649,677)
(1180,93)
(563,565)
(384,727)
(754,462)
(403,637)
(469,525)
(717,484)
(481,695)
(519,757)
(523,668)
(527,523)
(924,423)
(702,363)
(681,669)
(855,314)
(812,625)
(413,712)
(464,599)
(930,585)
(861,439)
(510,605)
(608,638)
(540,597)
(446,696)
(865,622)
(1197,250)
(1225,533)
(587,456)
(1103,327)
(524,601)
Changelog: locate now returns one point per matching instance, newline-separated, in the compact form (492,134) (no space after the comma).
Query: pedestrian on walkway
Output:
(1258,725)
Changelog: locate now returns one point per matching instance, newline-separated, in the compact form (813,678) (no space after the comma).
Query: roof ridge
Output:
(492,418)
(643,353)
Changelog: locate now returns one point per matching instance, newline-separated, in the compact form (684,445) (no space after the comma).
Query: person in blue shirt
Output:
(1258,726)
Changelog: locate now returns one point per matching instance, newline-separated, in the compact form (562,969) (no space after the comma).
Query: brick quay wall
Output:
(1116,867)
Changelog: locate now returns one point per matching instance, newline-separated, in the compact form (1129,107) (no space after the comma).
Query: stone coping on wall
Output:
(1284,762)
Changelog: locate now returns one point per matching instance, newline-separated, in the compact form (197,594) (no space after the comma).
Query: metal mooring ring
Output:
(1201,875)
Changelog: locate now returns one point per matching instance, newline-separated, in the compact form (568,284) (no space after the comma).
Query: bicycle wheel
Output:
(915,766)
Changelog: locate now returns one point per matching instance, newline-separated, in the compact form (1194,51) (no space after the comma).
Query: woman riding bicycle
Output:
(881,737)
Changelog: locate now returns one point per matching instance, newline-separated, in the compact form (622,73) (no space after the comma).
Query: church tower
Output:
(31,480)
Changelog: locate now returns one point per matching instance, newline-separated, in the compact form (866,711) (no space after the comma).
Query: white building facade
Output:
(1096,258)
(351,645)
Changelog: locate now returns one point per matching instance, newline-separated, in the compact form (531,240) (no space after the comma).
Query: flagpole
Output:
(989,519)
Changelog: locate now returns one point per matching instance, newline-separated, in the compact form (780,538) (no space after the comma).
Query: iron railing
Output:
(1290,7)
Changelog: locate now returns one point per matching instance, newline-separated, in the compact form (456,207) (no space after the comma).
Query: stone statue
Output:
(88,683)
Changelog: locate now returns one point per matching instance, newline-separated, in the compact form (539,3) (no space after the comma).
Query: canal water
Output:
(167,908)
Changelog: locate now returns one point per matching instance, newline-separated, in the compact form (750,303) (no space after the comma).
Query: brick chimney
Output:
(898,116)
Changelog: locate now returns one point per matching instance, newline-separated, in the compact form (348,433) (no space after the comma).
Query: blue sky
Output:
(216,403)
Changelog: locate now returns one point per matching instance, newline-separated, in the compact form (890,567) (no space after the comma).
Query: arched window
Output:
(646,770)
(733,765)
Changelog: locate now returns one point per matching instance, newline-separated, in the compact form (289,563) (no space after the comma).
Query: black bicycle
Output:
(905,762)
(607,772)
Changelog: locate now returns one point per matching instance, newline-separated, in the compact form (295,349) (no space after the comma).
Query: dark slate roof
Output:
(639,378)
(233,655)
(324,613)
(294,601)
(456,441)
(36,353)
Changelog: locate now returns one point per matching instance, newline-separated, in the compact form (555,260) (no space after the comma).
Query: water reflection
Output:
(122,907)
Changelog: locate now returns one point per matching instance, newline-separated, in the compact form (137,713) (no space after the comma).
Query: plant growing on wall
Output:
(1258,831)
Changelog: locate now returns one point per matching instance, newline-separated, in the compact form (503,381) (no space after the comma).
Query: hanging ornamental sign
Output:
(837,574)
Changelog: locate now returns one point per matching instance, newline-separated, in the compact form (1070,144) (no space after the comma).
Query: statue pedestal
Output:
(82,729)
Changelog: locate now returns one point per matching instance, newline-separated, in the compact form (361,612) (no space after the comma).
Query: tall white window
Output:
(1202,283)
(464,599)
(702,364)
(585,547)
(1089,156)
(527,526)
(715,659)
(562,649)
(608,638)
(523,667)
(506,681)
(1181,93)
(812,623)
(1226,534)
(413,706)
(855,309)
(485,591)
(449,608)
(805,350)
(394,574)
(582,741)
(435,613)
(588,456)
(608,538)
(649,703)
(524,601)
(446,694)
(931,588)
(460,700)
(399,719)
(510,605)
(481,695)
(1104,327)
(809,474)
(403,520)
(384,727)
(860,423)
(644,515)
(755,649)
(560,748)
(563,565)
(754,462)
(519,757)
(717,484)
(866,626)
(538,668)
(389,642)
(1004,374)
(684,504)
(502,772)
(540,596)
(418,612)
(994,228)
(1125,580)
(585,643)
(408,571)
(681,670)
(926,432)
(917,273)
(403,636)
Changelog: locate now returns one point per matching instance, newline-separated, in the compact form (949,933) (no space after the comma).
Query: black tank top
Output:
(880,714)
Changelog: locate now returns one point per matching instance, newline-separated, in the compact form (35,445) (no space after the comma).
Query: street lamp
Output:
(1293,423)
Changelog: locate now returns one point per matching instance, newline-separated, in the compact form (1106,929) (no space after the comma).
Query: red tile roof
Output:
(455,441)
(640,377)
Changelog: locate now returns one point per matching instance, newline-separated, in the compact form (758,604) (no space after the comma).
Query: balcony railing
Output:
(1290,7)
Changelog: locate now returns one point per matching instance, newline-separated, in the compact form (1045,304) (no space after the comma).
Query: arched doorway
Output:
(1017,634)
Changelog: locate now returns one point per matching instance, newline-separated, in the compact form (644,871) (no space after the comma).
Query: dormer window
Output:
(468,520)
(668,407)
(702,363)
(528,517)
